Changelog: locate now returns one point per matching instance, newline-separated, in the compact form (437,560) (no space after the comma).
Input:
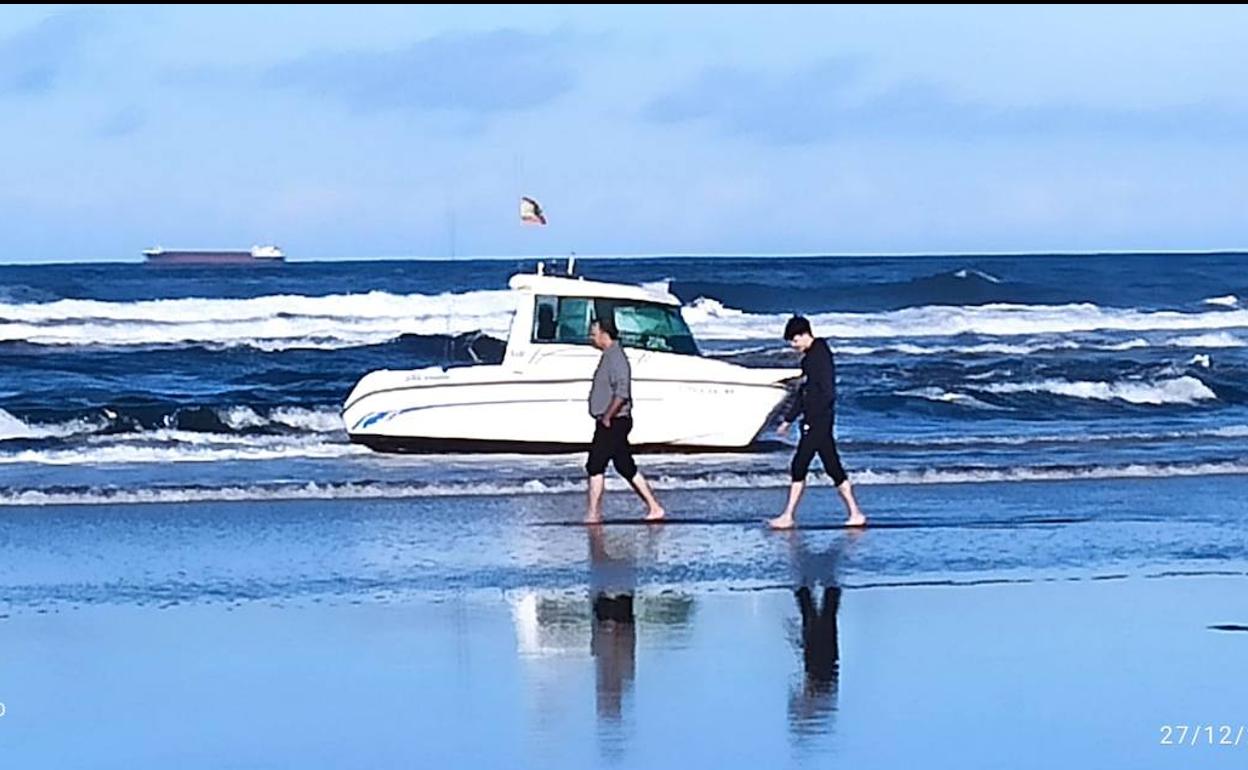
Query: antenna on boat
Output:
(450,337)
(541,268)
(571,264)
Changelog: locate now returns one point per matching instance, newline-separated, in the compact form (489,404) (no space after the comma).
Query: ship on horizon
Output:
(255,256)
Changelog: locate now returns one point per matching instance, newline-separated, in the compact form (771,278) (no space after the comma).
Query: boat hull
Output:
(206,258)
(411,445)
(420,414)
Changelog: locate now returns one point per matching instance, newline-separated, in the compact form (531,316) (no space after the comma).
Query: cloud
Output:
(37,59)
(828,101)
(480,74)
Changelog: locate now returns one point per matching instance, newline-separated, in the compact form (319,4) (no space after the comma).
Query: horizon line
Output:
(711,255)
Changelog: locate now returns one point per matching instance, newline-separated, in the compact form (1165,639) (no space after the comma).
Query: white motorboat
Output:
(535,400)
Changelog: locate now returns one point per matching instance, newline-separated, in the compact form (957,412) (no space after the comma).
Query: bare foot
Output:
(656,514)
(783,521)
(856,520)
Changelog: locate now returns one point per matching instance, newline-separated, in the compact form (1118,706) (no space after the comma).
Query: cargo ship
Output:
(255,256)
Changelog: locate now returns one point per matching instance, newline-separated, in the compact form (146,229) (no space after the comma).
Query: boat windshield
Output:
(642,325)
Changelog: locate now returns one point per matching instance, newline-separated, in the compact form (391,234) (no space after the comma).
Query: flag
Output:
(531,212)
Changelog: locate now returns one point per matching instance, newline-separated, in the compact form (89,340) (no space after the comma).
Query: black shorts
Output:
(610,445)
(818,439)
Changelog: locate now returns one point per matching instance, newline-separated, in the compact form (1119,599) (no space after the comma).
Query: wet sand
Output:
(1080,673)
(459,634)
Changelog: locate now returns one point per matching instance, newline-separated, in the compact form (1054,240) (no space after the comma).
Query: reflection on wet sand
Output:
(816,569)
(613,638)
(811,706)
(558,626)
(562,626)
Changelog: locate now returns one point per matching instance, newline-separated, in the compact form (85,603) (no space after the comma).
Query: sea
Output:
(126,383)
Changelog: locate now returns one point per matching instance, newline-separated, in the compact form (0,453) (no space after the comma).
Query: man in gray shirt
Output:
(611,406)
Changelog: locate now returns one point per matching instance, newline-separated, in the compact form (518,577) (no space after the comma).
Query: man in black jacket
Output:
(816,404)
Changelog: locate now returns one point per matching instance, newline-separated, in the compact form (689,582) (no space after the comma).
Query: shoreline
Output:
(339,550)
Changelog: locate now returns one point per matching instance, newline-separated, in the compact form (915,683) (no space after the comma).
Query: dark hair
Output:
(607,324)
(796,325)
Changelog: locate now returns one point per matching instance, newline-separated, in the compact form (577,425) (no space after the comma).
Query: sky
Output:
(340,132)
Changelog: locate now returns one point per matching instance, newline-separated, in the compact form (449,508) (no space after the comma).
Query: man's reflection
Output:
(818,595)
(821,655)
(613,635)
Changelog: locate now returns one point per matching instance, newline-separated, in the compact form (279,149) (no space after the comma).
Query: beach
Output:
(976,619)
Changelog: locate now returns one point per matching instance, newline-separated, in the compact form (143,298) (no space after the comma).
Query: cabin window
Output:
(642,325)
(562,320)
(544,319)
(649,325)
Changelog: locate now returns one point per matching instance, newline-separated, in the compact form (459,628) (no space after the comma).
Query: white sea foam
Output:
(1211,340)
(1180,390)
(1041,473)
(310,420)
(990,348)
(323,421)
(174,446)
(275,322)
(280,322)
(1023,439)
(1218,340)
(965,273)
(948,397)
(716,481)
(14,428)
(710,319)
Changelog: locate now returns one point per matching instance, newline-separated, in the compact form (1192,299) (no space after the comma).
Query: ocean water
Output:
(123,383)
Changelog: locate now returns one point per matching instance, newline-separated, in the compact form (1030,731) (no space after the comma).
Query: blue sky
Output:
(353,132)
